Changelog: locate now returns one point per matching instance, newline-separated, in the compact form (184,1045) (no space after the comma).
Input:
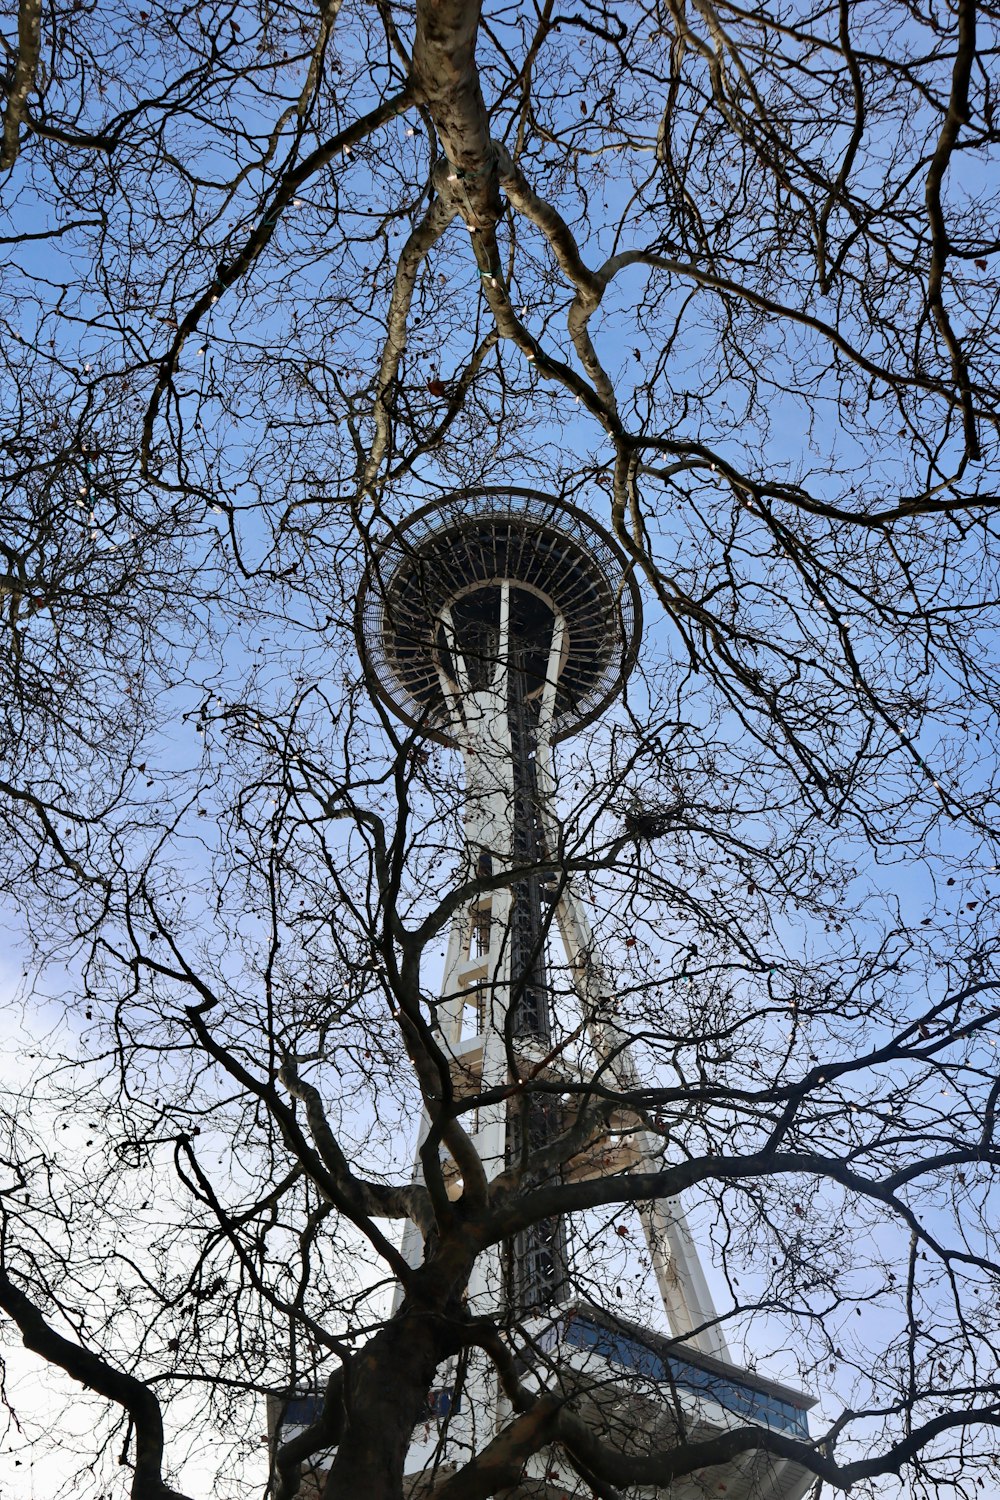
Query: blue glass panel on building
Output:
(301,1411)
(727,1391)
(440,1401)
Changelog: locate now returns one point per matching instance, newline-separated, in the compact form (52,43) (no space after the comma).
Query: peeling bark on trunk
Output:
(447,81)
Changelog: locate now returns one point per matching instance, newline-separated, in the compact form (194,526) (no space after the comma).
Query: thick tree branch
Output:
(412,256)
(99,1375)
(368,1198)
(29,37)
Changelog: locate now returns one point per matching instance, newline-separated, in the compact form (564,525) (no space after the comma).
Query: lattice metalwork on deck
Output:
(452,556)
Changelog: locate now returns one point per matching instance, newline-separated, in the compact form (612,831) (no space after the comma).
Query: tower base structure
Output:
(640,1394)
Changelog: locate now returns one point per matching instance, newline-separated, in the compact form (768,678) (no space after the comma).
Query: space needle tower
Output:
(498,624)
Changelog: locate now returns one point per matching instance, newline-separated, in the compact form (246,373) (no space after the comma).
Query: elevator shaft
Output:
(536,1272)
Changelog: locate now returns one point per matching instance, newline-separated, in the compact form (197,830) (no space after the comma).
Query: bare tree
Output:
(726,276)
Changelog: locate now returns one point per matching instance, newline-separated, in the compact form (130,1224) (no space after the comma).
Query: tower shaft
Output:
(504,733)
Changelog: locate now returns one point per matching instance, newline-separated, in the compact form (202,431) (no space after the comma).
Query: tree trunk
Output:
(384,1399)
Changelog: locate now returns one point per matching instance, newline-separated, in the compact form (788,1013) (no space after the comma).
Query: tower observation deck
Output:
(499,623)
(435,592)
